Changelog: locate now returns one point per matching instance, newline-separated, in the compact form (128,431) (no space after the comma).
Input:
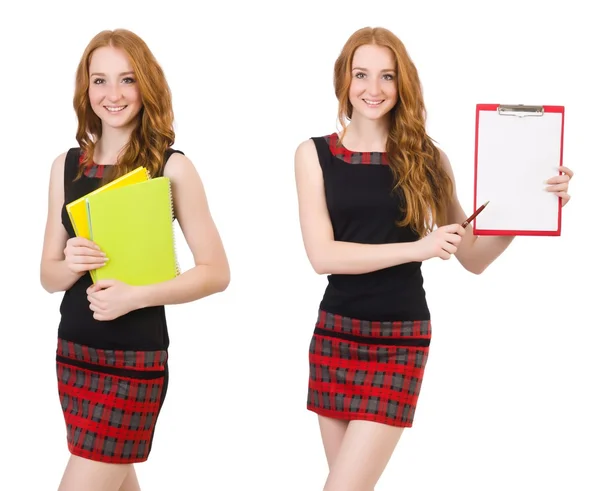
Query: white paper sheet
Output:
(515,155)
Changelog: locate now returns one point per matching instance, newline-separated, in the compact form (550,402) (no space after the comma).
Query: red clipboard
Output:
(517,147)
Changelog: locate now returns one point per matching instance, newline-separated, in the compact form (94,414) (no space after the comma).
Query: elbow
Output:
(50,289)
(46,285)
(50,283)
(322,258)
(223,282)
(222,279)
(319,266)
(472,265)
(213,277)
(477,269)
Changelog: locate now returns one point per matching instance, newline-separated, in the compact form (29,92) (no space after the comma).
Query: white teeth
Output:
(115,109)
(372,103)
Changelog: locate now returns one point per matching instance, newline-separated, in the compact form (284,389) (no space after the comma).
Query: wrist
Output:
(141,297)
(74,275)
(412,252)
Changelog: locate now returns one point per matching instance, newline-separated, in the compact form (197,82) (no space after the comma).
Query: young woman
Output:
(375,202)
(112,337)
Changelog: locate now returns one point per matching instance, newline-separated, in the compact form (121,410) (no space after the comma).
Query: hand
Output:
(442,242)
(560,184)
(83,255)
(110,299)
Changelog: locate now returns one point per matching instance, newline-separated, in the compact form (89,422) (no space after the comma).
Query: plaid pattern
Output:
(383,329)
(110,417)
(367,370)
(137,360)
(92,169)
(342,153)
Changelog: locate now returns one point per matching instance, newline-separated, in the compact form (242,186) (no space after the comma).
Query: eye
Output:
(98,81)
(360,75)
(388,77)
(129,80)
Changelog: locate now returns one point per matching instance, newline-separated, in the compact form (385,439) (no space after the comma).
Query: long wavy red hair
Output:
(412,155)
(153,132)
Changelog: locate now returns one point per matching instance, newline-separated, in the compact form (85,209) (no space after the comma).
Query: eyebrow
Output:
(97,74)
(366,70)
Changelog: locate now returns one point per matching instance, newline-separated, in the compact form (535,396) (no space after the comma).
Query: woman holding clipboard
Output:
(375,201)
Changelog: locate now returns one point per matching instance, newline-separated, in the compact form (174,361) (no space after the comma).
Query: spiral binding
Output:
(177,268)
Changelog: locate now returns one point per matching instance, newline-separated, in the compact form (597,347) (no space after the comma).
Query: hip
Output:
(351,341)
(399,305)
(143,329)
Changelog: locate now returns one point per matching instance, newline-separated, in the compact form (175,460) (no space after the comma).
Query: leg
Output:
(130,483)
(365,451)
(332,434)
(90,475)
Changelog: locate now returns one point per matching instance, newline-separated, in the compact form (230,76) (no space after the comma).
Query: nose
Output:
(374,87)
(114,93)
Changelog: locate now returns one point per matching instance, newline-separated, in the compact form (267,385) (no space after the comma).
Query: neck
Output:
(367,135)
(110,144)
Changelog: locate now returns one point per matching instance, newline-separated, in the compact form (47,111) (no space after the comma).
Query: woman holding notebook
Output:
(113,338)
(370,199)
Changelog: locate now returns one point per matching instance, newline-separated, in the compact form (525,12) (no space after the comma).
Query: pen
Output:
(477,212)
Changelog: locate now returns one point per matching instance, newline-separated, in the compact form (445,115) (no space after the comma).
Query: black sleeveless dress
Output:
(112,375)
(371,341)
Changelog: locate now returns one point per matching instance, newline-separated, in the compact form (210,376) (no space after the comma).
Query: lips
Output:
(372,103)
(114,109)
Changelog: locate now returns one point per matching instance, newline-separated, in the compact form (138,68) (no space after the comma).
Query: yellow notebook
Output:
(77,210)
(133,225)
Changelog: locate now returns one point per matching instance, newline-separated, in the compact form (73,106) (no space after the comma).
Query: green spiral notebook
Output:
(133,225)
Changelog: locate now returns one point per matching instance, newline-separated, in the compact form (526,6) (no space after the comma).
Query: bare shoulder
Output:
(306,150)
(445,162)
(179,167)
(57,172)
(306,159)
(58,164)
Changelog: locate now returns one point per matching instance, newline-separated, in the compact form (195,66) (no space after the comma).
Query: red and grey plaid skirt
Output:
(367,370)
(110,400)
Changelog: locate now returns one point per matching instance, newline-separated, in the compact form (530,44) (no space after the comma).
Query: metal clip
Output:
(520,110)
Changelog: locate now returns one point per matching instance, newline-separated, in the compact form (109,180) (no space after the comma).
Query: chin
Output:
(373,115)
(123,121)
(117,125)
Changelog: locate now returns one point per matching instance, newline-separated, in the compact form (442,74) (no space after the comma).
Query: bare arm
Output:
(211,271)
(475,253)
(326,255)
(55,275)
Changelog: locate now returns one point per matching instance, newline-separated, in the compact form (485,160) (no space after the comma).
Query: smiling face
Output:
(113,91)
(373,90)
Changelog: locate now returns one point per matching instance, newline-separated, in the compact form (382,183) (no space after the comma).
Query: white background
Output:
(510,395)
